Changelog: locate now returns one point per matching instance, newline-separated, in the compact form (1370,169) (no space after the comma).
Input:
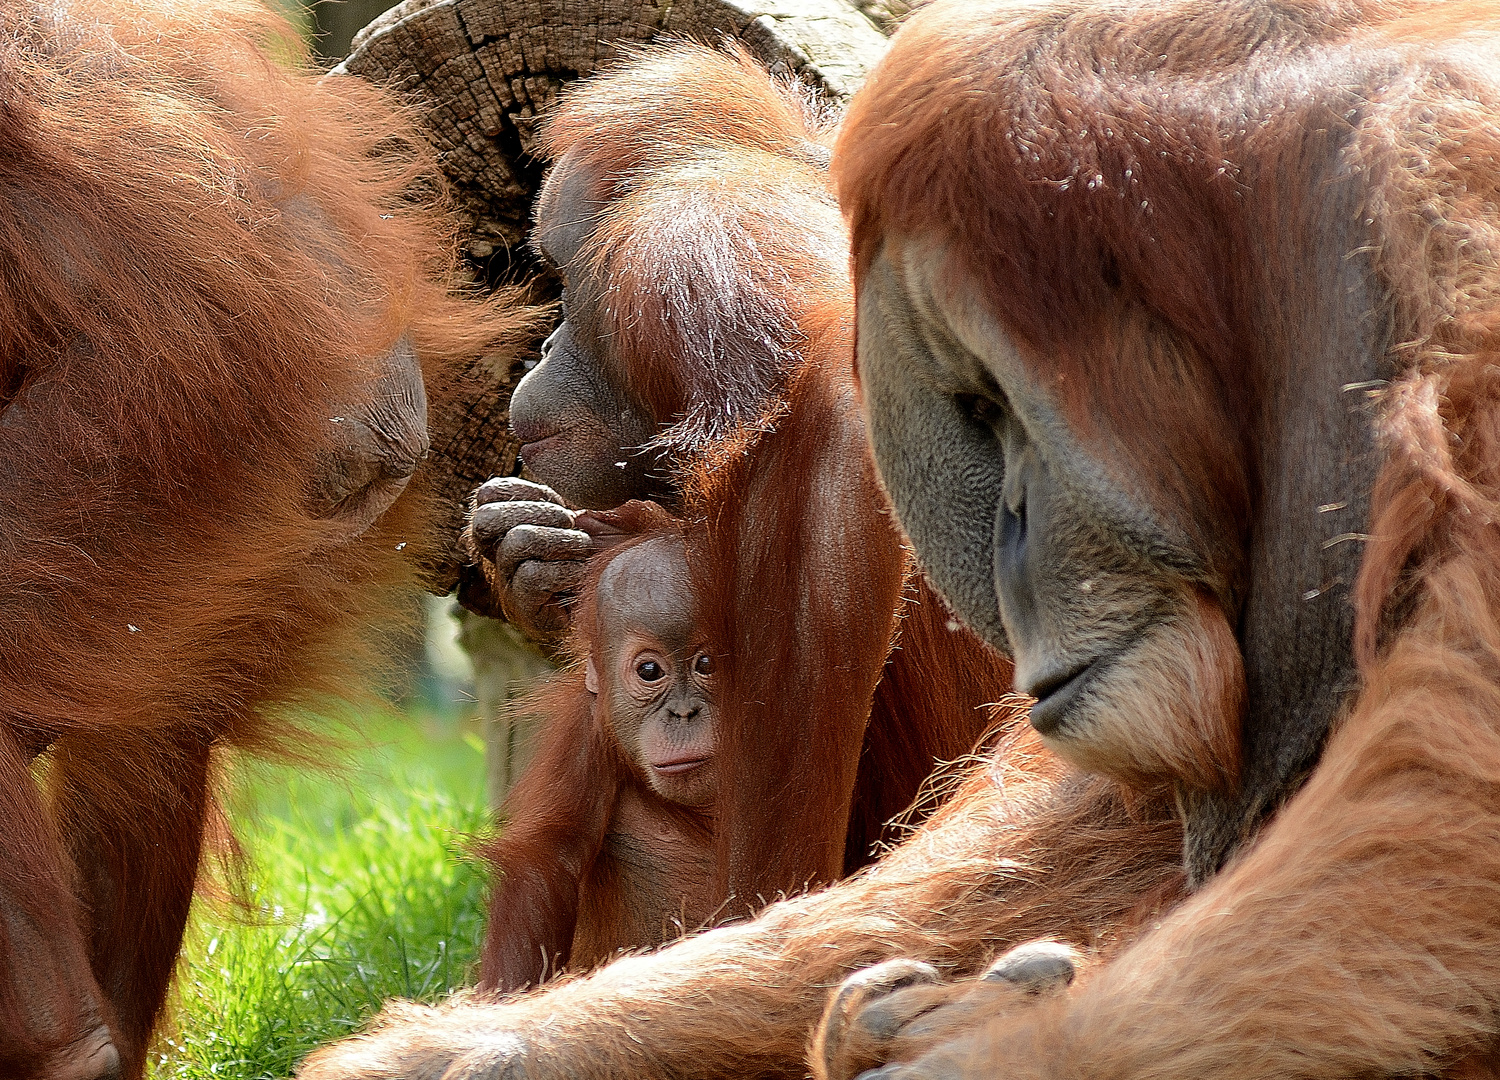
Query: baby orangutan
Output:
(607,841)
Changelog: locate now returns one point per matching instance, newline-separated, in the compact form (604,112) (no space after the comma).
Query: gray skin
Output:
(653,673)
(584,438)
(377,445)
(579,433)
(1011,515)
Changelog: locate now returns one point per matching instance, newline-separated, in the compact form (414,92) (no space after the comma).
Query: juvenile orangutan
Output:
(608,839)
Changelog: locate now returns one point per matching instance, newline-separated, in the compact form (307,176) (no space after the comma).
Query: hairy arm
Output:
(552,829)
(1023,849)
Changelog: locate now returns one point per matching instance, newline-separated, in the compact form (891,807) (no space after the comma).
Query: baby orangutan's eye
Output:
(649,670)
(704,665)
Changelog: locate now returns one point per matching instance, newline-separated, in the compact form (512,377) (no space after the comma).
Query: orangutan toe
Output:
(883,1020)
(932,1067)
(850,1032)
(893,1071)
(1036,967)
(863,988)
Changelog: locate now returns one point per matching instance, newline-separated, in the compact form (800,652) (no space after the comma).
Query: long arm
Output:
(1024,849)
(802,574)
(1357,937)
(938,694)
(553,826)
(53,1017)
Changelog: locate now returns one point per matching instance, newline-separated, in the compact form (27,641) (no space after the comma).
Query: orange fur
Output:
(204,253)
(724,238)
(721,266)
(1179,715)
(589,860)
(1356,936)
(807,583)
(1025,847)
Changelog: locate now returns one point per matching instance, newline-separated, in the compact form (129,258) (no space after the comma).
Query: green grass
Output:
(355,890)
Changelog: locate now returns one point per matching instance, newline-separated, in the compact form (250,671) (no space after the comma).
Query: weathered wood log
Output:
(471,442)
(484,70)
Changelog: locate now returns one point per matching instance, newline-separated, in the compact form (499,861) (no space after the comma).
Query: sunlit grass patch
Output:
(357,891)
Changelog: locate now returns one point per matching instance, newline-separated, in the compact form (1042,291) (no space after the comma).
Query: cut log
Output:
(471,442)
(484,70)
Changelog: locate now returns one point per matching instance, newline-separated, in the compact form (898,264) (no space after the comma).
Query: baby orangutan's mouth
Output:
(678,766)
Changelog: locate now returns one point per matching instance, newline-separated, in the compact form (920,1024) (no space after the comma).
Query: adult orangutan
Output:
(704,361)
(1319,514)
(607,839)
(1177,340)
(217,303)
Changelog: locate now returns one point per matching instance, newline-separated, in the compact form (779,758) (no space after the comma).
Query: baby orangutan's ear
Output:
(591,676)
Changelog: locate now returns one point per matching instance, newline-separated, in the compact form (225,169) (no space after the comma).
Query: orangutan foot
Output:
(898,1010)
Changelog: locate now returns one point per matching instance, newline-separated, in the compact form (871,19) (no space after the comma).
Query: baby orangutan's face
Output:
(653,674)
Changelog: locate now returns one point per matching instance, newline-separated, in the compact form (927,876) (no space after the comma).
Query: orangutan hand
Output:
(532,557)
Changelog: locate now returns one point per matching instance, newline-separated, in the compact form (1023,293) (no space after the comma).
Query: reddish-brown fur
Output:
(1025,847)
(723,233)
(811,615)
(1357,936)
(203,255)
(590,862)
(589,859)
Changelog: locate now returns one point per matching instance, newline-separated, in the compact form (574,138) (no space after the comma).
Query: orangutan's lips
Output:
(679,766)
(542,445)
(1055,695)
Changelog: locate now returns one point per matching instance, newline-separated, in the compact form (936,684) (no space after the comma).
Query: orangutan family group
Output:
(1104,411)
